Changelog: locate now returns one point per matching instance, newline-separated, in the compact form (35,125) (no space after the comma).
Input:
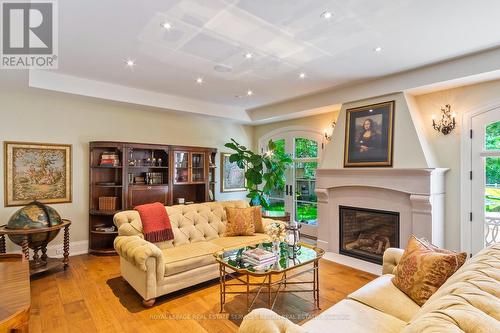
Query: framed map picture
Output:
(37,171)
(232,176)
(368,136)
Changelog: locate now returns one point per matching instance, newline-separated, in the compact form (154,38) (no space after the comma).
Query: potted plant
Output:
(264,173)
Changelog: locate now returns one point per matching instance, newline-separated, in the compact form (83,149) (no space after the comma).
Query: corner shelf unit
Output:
(145,173)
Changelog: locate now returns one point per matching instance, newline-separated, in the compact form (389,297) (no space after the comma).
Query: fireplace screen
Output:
(366,233)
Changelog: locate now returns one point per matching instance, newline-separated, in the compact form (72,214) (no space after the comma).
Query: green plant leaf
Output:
(271,145)
(231,146)
(253,176)
(256,160)
(234,158)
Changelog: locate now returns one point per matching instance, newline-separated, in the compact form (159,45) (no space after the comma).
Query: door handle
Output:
(291,190)
(286,189)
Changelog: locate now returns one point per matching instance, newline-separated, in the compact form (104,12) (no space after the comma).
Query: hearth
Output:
(366,233)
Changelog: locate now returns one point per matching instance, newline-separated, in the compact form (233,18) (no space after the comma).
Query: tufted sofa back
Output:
(190,223)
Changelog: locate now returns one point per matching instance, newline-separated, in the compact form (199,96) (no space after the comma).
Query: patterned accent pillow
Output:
(423,268)
(257,219)
(240,221)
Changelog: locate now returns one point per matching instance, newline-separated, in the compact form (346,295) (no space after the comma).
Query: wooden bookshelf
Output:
(145,173)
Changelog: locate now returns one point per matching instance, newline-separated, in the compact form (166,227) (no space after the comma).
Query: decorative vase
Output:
(276,246)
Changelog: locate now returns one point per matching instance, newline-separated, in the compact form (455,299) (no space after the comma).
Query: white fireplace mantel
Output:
(417,194)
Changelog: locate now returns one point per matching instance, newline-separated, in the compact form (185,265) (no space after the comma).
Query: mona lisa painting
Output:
(368,137)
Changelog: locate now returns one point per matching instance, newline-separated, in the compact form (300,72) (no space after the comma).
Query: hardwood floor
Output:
(91,296)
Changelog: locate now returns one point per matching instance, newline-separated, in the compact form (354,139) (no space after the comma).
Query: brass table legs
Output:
(267,286)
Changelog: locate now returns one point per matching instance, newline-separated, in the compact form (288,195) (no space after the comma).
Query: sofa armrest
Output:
(391,259)
(137,251)
(265,320)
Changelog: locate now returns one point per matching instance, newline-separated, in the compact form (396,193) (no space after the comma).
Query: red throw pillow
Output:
(155,222)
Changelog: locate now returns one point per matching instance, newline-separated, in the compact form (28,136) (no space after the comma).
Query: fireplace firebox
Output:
(366,233)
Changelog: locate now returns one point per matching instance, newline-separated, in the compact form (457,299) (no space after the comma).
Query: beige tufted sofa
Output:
(469,301)
(158,269)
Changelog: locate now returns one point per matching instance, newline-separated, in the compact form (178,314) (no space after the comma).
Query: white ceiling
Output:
(286,37)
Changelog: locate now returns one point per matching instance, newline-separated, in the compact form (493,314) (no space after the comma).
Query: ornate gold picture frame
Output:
(37,171)
(369,136)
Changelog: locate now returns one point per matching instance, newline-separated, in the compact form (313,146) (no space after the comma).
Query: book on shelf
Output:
(108,204)
(109,159)
(154,178)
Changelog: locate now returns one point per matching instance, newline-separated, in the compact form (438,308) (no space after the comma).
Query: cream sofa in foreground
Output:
(469,301)
(158,269)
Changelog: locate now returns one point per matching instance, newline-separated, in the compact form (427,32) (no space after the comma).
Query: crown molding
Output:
(109,91)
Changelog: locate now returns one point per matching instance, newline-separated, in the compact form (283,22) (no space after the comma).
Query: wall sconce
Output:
(329,131)
(447,122)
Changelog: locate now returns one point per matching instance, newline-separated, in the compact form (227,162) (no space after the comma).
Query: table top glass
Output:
(286,260)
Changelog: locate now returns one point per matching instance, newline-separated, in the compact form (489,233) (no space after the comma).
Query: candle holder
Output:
(293,238)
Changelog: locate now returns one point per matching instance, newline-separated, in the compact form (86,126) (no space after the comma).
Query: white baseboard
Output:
(75,248)
(56,250)
(354,263)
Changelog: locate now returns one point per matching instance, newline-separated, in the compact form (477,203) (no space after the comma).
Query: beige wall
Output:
(42,116)
(318,122)
(447,147)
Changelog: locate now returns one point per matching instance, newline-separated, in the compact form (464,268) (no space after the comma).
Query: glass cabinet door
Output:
(197,167)
(181,167)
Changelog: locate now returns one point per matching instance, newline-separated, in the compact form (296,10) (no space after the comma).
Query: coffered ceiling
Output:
(264,45)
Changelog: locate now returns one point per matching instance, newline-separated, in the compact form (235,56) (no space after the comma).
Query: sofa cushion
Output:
(240,221)
(187,257)
(354,317)
(239,241)
(423,268)
(382,294)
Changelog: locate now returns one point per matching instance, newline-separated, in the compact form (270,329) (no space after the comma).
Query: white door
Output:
(298,198)
(485,187)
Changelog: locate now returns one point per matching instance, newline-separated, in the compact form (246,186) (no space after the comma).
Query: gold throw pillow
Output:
(240,221)
(423,268)
(257,219)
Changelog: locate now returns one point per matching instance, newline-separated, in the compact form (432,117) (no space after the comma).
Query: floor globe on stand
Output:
(34,216)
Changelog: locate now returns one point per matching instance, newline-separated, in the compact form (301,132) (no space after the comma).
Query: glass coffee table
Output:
(271,279)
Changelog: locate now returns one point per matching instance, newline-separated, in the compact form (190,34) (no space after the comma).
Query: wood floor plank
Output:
(92,297)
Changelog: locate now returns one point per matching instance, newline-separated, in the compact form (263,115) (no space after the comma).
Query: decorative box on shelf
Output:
(108,203)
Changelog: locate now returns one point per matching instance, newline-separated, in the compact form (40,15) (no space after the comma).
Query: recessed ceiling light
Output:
(302,75)
(130,63)
(199,80)
(327,15)
(377,49)
(166,25)
(248,55)
(249,93)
